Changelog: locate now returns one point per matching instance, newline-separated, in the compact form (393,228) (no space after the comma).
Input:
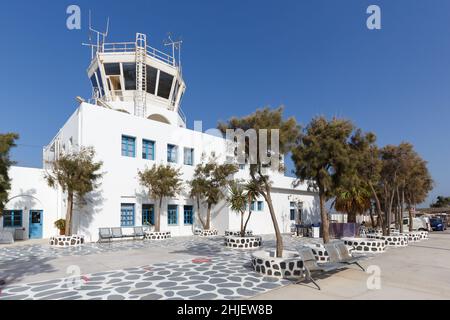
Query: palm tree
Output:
(237,200)
(252,190)
(76,173)
(162,181)
(7,141)
(353,201)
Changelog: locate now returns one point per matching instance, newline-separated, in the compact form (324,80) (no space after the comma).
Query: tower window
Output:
(165,84)
(129,75)
(151,79)
(112,69)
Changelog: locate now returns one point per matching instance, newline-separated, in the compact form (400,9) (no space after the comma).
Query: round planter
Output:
(206,233)
(319,252)
(243,242)
(413,236)
(365,245)
(154,235)
(66,241)
(423,235)
(391,241)
(248,233)
(266,262)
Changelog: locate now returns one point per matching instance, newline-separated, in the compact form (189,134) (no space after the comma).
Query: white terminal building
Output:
(133,121)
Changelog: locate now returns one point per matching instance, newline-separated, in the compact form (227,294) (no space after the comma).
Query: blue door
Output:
(36,224)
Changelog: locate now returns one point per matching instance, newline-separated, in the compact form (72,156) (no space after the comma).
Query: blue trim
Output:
(189,156)
(172,153)
(170,210)
(292,212)
(13,214)
(260,205)
(35,229)
(188,215)
(148,149)
(127,214)
(128,146)
(148,214)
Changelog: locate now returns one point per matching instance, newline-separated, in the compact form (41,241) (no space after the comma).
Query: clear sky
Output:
(316,57)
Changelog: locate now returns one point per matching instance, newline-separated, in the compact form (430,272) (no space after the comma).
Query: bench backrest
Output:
(116,232)
(104,232)
(333,252)
(309,260)
(343,251)
(138,231)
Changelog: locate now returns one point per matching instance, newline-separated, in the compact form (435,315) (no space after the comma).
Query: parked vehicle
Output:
(437,224)
(419,224)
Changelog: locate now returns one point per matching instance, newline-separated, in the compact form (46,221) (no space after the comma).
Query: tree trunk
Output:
(324,217)
(410,218)
(351,217)
(279,238)
(246,221)
(199,215)
(377,205)
(372,220)
(208,217)
(69,211)
(242,224)
(158,217)
(402,201)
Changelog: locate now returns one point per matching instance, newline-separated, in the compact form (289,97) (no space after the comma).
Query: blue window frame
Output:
(127,215)
(252,206)
(148,149)
(260,206)
(172,214)
(128,146)
(188,215)
(172,151)
(241,166)
(12,218)
(189,156)
(148,214)
(292,215)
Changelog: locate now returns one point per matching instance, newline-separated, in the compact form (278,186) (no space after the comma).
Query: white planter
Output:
(391,241)
(413,236)
(154,235)
(206,233)
(66,241)
(365,245)
(243,242)
(423,235)
(248,233)
(266,262)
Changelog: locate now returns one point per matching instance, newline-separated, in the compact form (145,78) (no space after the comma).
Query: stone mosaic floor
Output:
(216,273)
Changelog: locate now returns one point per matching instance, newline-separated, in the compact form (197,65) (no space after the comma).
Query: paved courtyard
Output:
(201,268)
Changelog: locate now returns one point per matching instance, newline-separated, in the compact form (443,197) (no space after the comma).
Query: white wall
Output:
(29,191)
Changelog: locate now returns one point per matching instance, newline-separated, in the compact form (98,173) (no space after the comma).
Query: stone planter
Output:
(154,235)
(206,233)
(365,245)
(66,241)
(391,241)
(413,236)
(266,262)
(248,233)
(243,242)
(423,235)
(319,252)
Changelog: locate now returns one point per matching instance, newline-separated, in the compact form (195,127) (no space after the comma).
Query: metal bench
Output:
(104,234)
(338,252)
(311,265)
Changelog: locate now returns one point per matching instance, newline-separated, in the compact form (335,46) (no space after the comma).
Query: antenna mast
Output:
(100,37)
(176,46)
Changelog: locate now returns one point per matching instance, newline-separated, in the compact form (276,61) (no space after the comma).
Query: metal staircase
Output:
(141,76)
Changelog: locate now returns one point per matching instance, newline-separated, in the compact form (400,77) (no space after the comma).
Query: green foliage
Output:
(237,198)
(441,202)
(76,172)
(60,224)
(7,141)
(161,181)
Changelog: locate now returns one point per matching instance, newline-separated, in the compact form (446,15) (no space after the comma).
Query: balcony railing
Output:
(121,47)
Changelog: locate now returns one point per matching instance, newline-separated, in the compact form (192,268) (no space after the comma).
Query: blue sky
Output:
(316,57)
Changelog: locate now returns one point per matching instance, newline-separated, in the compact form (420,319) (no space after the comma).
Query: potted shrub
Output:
(61,225)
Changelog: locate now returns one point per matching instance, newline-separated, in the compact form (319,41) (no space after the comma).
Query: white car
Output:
(419,224)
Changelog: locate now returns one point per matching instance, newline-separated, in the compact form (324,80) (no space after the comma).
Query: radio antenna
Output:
(100,37)
(176,46)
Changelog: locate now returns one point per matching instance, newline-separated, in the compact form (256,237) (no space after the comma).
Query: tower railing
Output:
(121,47)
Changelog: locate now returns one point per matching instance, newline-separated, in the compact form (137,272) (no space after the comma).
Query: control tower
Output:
(135,78)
